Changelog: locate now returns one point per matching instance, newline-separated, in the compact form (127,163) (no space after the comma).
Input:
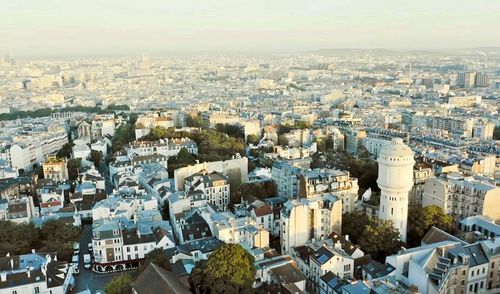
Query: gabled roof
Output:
(347,246)
(156,280)
(435,235)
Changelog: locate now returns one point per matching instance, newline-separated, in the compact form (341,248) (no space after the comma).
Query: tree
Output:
(194,121)
(183,158)
(282,140)
(231,130)
(17,238)
(380,239)
(229,269)
(165,211)
(420,220)
(253,191)
(496,133)
(353,224)
(73,166)
(253,139)
(124,134)
(121,284)
(96,158)
(157,257)
(59,236)
(158,132)
(65,151)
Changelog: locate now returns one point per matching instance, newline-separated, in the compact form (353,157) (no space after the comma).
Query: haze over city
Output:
(56,27)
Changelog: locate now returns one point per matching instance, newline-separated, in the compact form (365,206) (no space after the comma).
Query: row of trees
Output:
(53,236)
(213,145)
(124,134)
(49,111)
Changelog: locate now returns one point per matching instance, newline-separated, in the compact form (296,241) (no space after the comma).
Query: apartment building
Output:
(120,245)
(214,185)
(461,196)
(303,220)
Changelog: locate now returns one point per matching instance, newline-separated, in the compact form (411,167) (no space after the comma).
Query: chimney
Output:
(338,246)
(12,263)
(346,237)
(3,276)
(28,271)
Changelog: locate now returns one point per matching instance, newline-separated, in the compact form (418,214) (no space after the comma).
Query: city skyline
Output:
(56,28)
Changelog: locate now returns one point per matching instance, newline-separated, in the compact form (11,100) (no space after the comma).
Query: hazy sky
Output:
(76,27)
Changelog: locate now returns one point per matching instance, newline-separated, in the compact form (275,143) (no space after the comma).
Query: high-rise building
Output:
(482,80)
(466,79)
(395,179)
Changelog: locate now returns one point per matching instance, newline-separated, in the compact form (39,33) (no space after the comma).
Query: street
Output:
(88,279)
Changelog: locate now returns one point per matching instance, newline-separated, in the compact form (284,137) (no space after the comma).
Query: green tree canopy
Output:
(194,121)
(353,224)
(380,239)
(65,151)
(59,236)
(230,130)
(420,220)
(121,284)
(96,158)
(253,191)
(17,238)
(230,269)
(157,257)
(183,158)
(54,236)
(253,139)
(73,166)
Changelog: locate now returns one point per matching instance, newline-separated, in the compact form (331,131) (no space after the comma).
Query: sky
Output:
(124,27)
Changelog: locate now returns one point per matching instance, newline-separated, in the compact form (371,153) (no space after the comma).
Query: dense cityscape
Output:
(333,172)
(223,168)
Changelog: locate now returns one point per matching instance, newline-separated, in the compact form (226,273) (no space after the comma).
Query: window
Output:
(347,267)
(128,249)
(37,290)
(14,292)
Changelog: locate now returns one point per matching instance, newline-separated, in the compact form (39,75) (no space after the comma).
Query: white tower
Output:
(395,180)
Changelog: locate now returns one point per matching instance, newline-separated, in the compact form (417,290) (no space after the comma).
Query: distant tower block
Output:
(395,180)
